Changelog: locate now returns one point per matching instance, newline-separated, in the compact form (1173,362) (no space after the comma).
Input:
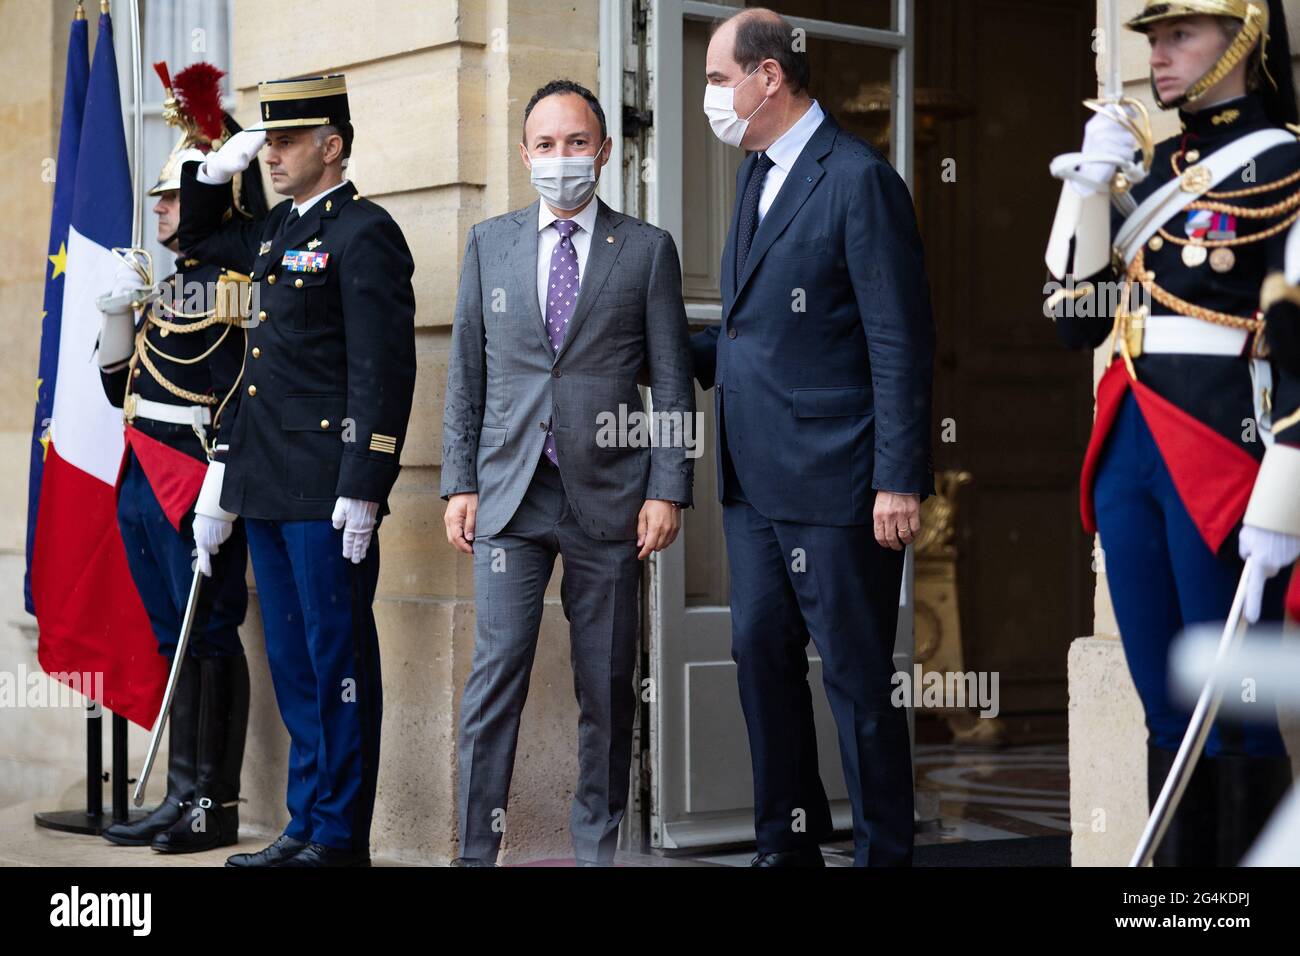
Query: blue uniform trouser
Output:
(1164,578)
(161,560)
(323,650)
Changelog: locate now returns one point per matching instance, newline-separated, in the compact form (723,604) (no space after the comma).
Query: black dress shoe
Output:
(318,854)
(470,861)
(284,848)
(808,857)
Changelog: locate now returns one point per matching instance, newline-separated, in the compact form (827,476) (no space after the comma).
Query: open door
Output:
(679,177)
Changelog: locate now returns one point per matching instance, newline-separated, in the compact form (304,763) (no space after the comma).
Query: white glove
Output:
(117,334)
(1109,142)
(233,157)
(1272,552)
(357,519)
(209,535)
(212,523)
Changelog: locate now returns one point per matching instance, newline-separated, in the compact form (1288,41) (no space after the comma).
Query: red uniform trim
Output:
(1214,476)
(174,476)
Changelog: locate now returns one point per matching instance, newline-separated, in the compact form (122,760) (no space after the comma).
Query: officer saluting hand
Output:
(314,444)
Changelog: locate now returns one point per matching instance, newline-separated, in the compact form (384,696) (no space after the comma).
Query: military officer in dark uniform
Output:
(314,445)
(171,373)
(1192,396)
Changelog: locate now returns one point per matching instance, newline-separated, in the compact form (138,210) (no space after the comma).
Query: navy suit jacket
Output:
(823,361)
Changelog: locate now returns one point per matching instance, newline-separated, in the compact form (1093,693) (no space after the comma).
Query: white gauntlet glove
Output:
(1111,144)
(212,523)
(1272,551)
(117,334)
(233,157)
(357,519)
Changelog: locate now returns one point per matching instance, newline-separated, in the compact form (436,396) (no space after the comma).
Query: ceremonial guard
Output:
(171,373)
(1173,282)
(314,444)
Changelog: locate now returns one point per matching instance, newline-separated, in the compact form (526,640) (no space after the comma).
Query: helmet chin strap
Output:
(1251,32)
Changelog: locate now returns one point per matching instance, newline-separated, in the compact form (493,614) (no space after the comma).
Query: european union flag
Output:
(65,182)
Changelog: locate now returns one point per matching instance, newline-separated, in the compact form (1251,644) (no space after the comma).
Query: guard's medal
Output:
(1196,227)
(1224,227)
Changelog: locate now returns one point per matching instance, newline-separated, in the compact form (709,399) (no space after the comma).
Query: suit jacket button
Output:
(297,283)
(262,316)
(555,373)
(257,353)
(542,425)
(252,390)
(731,333)
(324,423)
(270,280)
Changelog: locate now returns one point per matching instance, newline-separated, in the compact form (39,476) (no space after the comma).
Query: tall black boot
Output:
(1249,789)
(182,756)
(212,820)
(1189,838)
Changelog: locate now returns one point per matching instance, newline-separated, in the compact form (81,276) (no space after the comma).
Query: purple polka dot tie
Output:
(561,295)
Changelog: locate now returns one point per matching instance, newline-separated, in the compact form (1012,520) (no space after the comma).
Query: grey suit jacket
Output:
(506,385)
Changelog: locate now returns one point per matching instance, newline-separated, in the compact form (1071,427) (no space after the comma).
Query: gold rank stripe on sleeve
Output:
(383,443)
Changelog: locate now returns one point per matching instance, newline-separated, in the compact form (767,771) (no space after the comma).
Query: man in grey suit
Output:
(563,305)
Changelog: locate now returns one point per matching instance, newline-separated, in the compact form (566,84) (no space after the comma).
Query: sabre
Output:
(1207,706)
(1114,103)
(187,624)
(1114,86)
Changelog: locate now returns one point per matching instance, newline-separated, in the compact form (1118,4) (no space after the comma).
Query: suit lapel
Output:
(266,250)
(523,267)
(600,260)
(798,186)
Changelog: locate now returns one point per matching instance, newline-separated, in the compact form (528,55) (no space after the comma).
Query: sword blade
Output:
(1114,84)
(182,643)
(1198,728)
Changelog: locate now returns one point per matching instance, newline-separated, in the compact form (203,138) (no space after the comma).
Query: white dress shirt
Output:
(547,237)
(784,152)
(301,210)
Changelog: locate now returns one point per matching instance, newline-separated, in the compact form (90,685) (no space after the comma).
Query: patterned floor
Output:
(968,793)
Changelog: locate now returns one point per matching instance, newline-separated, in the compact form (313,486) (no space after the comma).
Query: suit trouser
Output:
(840,588)
(161,560)
(1163,578)
(599,596)
(323,650)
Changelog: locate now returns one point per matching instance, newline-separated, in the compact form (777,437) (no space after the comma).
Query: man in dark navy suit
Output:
(821,369)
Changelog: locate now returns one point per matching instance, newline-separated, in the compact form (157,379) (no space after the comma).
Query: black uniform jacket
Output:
(330,369)
(1214,389)
(191,289)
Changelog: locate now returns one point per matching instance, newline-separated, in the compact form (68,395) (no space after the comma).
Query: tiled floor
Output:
(978,793)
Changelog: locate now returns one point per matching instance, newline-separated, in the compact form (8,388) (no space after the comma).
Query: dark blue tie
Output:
(748,224)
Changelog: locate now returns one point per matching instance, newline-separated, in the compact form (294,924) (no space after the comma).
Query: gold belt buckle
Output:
(128,407)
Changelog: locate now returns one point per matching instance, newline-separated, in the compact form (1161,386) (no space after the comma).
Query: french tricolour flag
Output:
(89,614)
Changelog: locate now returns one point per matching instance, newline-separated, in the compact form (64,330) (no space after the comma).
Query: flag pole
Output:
(137,119)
